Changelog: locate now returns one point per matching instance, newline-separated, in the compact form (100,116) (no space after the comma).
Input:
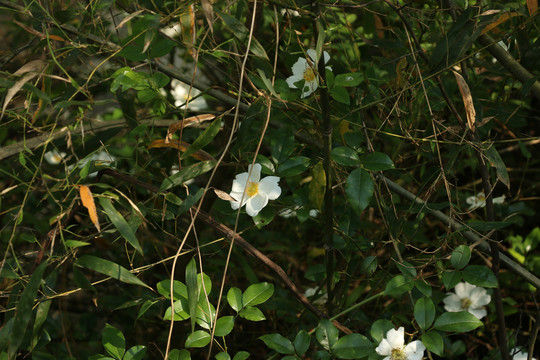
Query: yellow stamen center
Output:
(466,303)
(309,74)
(252,189)
(398,354)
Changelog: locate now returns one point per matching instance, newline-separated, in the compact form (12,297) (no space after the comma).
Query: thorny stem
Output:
(327,165)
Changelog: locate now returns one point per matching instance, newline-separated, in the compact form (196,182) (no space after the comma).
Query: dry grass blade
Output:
(88,202)
(467,100)
(190,121)
(31,70)
(128,18)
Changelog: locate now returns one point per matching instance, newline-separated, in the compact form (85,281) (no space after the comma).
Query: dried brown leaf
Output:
(223,195)
(208,10)
(88,202)
(467,100)
(190,121)
(128,18)
(504,17)
(30,70)
(181,146)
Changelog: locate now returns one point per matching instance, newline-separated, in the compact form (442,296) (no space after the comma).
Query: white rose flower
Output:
(53,157)
(479,200)
(307,71)
(253,191)
(393,347)
(519,354)
(181,94)
(469,298)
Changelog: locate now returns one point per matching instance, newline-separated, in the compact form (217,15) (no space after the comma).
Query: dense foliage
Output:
(269,179)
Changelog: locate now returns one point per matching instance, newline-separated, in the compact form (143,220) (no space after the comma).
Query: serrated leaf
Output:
(340,94)
(359,189)
(349,79)
(109,268)
(224,326)
(120,223)
(198,339)
(480,275)
(252,313)
(352,346)
(113,341)
(278,343)
(257,294)
(302,342)
(461,321)
(346,156)
(293,166)
(460,257)
(424,312)
(380,328)
(326,334)
(234,298)
(398,285)
(376,161)
(451,278)
(433,342)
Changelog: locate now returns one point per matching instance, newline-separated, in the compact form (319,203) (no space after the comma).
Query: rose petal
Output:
(269,186)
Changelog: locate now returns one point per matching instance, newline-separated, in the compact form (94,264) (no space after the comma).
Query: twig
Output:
(244,244)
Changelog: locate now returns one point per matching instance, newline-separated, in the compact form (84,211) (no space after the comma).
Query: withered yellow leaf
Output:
(88,202)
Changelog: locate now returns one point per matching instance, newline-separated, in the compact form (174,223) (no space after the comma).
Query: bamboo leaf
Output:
(120,223)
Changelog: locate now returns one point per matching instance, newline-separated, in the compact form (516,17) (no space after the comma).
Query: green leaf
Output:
(380,328)
(376,161)
(234,298)
(176,354)
(293,166)
(433,342)
(349,79)
(241,33)
(340,94)
(460,257)
(192,290)
(398,285)
(423,286)
(24,310)
(407,269)
(198,339)
(252,313)
(204,139)
(189,201)
(496,161)
(241,355)
(317,186)
(109,268)
(424,312)
(479,225)
(180,311)
(187,172)
(206,313)
(461,321)
(302,342)
(345,156)
(113,341)
(120,223)
(326,334)
(278,343)
(480,275)
(352,346)
(451,278)
(224,326)
(81,280)
(257,294)
(359,189)
(223,356)
(281,144)
(179,289)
